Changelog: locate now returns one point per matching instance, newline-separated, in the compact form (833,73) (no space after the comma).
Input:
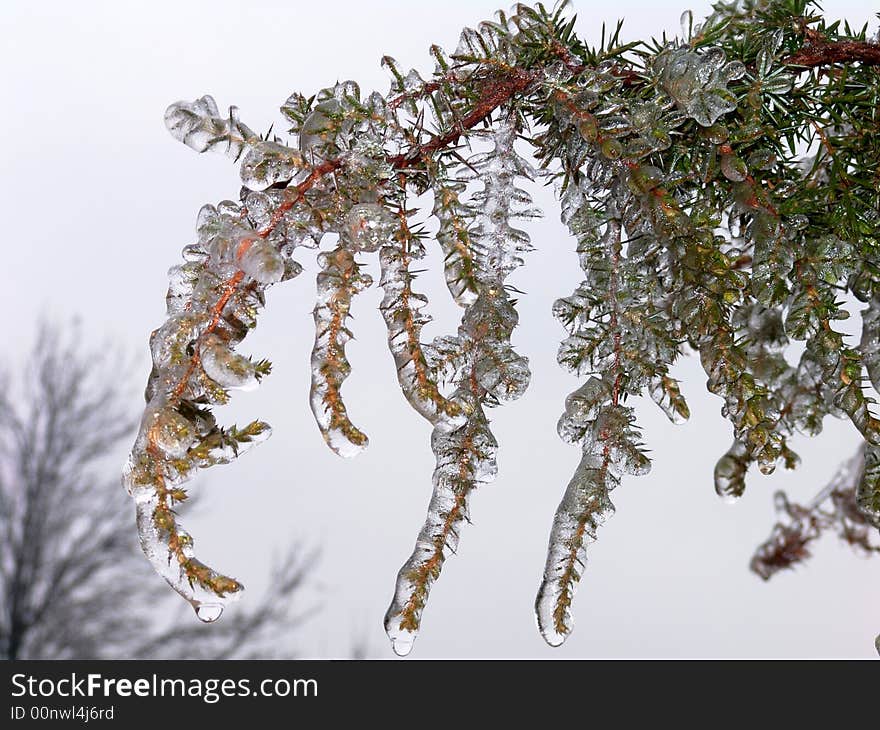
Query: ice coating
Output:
(501,246)
(400,308)
(454,237)
(666,393)
(730,472)
(339,280)
(869,346)
(611,448)
(262,262)
(465,458)
(225,367)
(325,129)
(318,127)
(208,592)
(367,226)
(268,163)
(170,432)
(479,361)
(698,82)
(583,509)
(599,344)
(212,301)
(200,127)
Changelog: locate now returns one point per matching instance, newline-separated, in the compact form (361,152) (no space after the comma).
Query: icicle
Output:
(610,449)
(501,246)
(339,280)
(211,307)
(600,343)
(482,365)
(583,509)
(465,459)
(454,237)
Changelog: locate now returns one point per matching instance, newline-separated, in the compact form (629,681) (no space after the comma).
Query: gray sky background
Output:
(98,200)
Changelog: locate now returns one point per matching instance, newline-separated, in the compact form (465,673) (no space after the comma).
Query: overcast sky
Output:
(97,201)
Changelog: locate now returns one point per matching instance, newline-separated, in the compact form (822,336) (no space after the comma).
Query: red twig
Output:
(819,51)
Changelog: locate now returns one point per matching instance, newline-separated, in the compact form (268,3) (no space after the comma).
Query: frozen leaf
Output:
(268,163)
(225,367)
(698,82)
(199,126)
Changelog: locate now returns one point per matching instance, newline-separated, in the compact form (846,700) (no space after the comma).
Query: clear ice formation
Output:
(339,280)
(200,127)
(697,82)
(479,362)
(212,301)
(594,415)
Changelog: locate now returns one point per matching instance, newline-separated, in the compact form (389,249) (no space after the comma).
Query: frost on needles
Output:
(721,193)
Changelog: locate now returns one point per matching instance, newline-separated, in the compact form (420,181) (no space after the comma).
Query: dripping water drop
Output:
(209,612)
(402,645)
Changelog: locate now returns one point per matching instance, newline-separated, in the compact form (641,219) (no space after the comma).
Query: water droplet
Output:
(588,128)
(403,643)
(733,168)
(209,612)
(611,148)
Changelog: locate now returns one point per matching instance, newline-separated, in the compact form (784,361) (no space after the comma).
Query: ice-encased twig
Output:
(483,367)
(599,342)
(610,448)
(212,303)
(584,507)
(400,309)
(338,281)
(454,237)
(465,458)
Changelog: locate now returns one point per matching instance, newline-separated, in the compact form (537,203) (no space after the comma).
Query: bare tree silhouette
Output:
(73,583)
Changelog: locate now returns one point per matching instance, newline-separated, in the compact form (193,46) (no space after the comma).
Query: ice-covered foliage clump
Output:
(721,193)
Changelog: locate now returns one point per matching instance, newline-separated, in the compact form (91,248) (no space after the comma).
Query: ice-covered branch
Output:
(722,191)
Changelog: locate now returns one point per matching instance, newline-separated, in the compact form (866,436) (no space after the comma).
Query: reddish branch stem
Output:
(819,51)
(497,94)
